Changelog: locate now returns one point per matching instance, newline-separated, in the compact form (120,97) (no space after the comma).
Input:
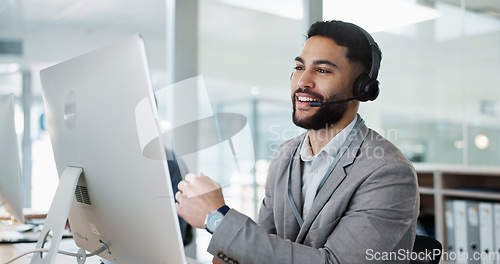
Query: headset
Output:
(366,87)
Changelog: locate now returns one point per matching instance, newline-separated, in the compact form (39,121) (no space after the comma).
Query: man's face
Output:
(322,73)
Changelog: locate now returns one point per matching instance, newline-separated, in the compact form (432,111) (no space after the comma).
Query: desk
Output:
(8,251)
(29,214)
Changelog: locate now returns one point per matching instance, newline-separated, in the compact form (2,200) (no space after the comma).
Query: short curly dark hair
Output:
(347,35)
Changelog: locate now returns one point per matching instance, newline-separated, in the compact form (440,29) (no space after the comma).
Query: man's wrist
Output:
(214,218)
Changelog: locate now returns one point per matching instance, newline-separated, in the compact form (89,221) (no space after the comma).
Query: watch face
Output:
(213,220)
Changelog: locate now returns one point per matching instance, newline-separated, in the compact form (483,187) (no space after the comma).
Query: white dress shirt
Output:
(316,166)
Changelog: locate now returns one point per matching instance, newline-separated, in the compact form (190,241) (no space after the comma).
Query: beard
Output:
(326,115)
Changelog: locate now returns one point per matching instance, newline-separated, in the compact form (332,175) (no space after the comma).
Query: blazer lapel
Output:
(292,228)
(296,184)
(332,183)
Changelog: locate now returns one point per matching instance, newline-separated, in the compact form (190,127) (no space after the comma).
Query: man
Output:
(339,193)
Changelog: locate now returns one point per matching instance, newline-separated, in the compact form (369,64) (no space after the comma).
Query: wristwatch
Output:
(214,218)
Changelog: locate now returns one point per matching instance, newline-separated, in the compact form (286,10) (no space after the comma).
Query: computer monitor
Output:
(101,114)
(10,168)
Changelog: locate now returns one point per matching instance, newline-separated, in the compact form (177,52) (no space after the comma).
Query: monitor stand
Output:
(57,216)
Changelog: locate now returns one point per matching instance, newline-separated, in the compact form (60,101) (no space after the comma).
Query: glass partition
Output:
(44,34)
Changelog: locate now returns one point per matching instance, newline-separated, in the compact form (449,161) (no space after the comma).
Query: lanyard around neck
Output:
(345,146)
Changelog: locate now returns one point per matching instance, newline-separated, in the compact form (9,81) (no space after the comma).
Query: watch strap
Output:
(224,209)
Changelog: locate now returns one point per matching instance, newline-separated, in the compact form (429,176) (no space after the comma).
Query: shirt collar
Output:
(332,148)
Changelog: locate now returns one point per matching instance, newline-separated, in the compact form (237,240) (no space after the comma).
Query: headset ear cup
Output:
(366,89)
(372,90)
(359,87)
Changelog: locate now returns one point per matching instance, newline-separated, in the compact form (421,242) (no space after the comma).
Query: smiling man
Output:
(340,192)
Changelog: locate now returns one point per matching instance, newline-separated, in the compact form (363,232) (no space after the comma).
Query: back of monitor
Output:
(100,111)
(10,167)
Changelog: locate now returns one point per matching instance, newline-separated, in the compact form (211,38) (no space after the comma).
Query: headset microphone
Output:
(318,104)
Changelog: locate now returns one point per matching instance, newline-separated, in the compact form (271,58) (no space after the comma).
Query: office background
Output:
(440,81)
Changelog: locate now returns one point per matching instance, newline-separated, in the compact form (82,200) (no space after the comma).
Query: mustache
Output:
(309,92)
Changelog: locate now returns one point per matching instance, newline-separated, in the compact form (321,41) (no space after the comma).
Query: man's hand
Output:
(197,197)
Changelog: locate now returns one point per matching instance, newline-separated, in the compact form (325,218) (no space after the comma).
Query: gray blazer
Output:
(366,211)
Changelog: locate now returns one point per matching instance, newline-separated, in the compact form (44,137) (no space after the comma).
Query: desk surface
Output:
(8,251)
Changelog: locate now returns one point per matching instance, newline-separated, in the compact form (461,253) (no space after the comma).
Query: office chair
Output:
(430,250)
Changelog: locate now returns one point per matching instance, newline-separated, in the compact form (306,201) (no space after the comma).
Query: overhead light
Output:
(459,144)
(9,67)
(379,15)
(482,141)
(255,91)
(165,125)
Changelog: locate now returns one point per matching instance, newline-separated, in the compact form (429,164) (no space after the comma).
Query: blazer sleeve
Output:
(380,219)
(381,212)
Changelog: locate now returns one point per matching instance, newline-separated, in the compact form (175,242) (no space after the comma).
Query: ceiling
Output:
(25,19)
(242,48)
